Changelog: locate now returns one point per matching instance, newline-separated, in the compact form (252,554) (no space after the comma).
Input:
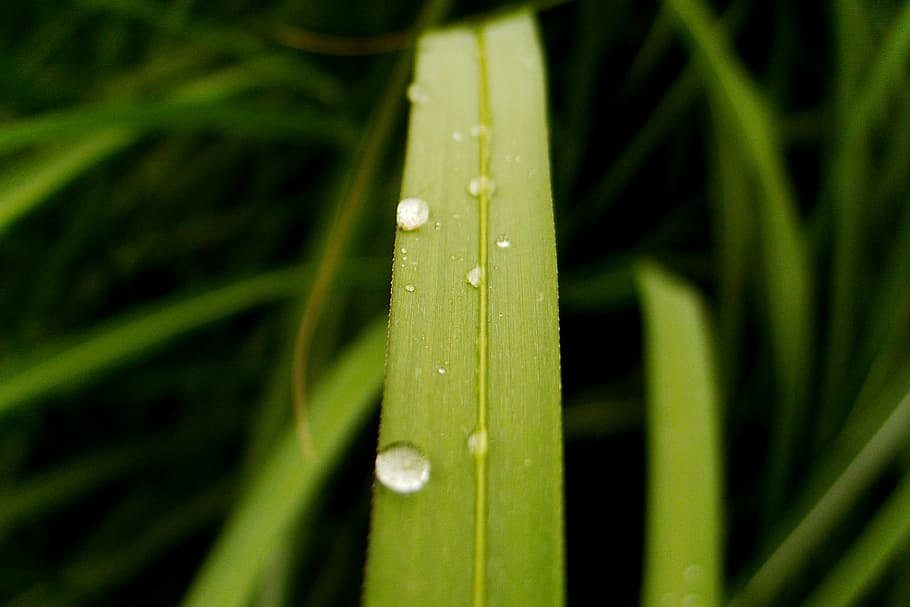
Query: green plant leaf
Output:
(287,483)
(76,359)
(784,258)
(858,456)
(473,371)
(683,526)
(883,539)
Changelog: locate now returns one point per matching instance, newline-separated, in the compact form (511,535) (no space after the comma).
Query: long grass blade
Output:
(104,348)
(287,482)
(28,184)
(683,529)
(882,540)
(784,257)
(857,458)
(473,361)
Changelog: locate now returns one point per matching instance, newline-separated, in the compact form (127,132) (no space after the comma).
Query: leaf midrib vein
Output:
(479,598)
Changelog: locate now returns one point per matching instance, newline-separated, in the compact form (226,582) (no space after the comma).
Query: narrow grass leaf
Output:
(473,359)
(683,524)
(882,540)
(784,258)
(287,482)
(245,119)
(85,580)
(285,67)
(857,458)
(32,181)
(114,343)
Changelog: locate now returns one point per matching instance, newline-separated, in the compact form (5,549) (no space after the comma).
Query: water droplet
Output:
(437,226)
(540,296)
(473,276)
(529,60)
(402,467)
(441,370)
(503,242)
(693,575)
(410,288)
(690,600)
(457,136)
(479,130)
(481,184)
(404,251)
(477,442)
(418,94)
(412,213)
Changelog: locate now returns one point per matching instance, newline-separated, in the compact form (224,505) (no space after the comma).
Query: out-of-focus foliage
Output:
(172,173)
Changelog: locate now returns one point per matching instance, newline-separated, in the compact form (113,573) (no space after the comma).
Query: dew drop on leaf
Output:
(418,94)
(412,213)
(473,276)
(402,468)
(481,184)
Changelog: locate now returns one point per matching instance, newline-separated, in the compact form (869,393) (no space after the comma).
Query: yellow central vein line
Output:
(479,591)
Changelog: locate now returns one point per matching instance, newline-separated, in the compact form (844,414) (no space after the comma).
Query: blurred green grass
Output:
(164,162)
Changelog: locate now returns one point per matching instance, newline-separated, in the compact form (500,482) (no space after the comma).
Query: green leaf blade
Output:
(475,365)
(683,536)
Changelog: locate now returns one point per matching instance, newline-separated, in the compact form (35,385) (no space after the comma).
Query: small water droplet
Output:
(473,276)
(412,213)
(404,251)
(457,136)
(479,130)
(481,184)
(529,60)
(418,93)
(693,575)
(477,442)
(503,242)
(437,226)
(441,370)
(540,296)
(402,467)
(690,600)
(410,288)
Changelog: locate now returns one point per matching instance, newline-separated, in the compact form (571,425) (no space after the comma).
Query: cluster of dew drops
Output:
(401,466)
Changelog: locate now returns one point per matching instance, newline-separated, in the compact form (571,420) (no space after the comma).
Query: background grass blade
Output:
(475,366)
(884,538)
(683,530)
(856,459)
(288,483)
(32,181)
(106,347)
(784,258)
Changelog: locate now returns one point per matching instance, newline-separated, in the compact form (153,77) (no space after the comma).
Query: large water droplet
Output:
(412,213)
(410,288)
(441,370)
(402,467)
(473,276)
(418,93)
(503,242)
(481,184)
